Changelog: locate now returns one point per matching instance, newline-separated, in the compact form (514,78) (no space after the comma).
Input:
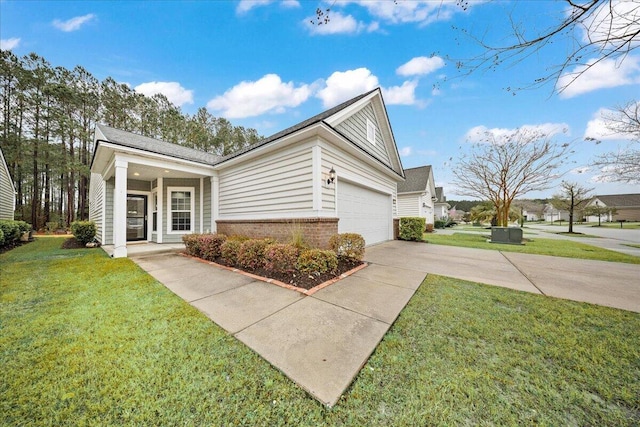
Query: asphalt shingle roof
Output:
(416,179)
(620,200)
(157,146)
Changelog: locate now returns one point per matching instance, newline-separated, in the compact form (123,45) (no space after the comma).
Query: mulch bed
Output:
(72,243)
(297,279)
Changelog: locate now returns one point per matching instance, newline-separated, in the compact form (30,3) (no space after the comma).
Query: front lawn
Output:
(539,246)
(89,340)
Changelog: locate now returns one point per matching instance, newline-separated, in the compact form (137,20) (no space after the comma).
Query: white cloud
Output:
(613,20)
(420,65)
(290,4)
(8,44)
(401,95)
(598,130)
(595,75)
(580,170)
(268,94)
(343,85)
(405,151)
(339,24)
(246,5)
(480,133)
(172,90)
(73,24)
(420,11)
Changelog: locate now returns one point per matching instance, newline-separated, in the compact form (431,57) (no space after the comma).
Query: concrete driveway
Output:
(610,284)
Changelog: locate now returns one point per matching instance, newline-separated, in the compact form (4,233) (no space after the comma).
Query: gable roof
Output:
(619,200)
(152,145)
(416,179)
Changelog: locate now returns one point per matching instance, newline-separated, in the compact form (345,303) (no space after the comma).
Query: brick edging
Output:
(307,292)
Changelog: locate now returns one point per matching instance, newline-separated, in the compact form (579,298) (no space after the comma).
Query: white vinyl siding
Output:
(408,205)
(96,203)
(355,128)
(274,186)
(7,196)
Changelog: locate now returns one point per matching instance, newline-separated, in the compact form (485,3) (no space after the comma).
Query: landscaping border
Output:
(307,292)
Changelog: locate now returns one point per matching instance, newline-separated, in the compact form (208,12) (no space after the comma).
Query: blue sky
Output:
(261,64)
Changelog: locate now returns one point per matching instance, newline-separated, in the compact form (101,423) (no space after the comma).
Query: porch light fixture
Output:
(434,199)
(136,174)
(332,176)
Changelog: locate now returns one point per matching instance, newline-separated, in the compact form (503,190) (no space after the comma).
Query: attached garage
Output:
(364,211)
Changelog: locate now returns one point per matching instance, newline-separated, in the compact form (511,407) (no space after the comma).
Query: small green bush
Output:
(348,245)
(411,228)
(439,223)
(317,261)
(11,231)
(229,250)
(192,244)
(209,245)
(24,226)
(1,238)
(280,257)
(84,231)
(251,254)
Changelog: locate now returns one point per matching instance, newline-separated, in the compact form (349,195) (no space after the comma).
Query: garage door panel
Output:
(364,211)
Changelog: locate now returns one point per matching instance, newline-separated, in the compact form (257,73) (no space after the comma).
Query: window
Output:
(181,209)
(154,213)
(371,132)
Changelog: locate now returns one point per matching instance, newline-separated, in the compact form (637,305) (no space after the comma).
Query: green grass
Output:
(89,340)
(539,246)
(632,245)
(625,225)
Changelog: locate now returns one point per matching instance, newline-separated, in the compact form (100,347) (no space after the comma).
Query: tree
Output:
(623,165)
(571,197)
(501,168)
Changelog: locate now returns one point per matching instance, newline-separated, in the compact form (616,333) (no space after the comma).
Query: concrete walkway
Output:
(322,341)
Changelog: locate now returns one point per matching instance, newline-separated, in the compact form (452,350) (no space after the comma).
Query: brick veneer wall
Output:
(316,231)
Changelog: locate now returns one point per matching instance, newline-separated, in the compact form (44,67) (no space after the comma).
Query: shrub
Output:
(1,238)
(317,261)
(229,250)
(439,223)
(11,231)
(209,245)
(411,228)
(251,254)
(24,226)
(192,244)
(297,238)
(429,228)
(348,245)
(84,231)
(280,257)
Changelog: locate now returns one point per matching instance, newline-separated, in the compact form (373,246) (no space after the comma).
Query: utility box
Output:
(508,235)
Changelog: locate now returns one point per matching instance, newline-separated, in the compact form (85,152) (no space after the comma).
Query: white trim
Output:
(160,189)
(201,205)
(103,215)
(120,209)
(215,196)
(149,195)
(371,128)
(192,219)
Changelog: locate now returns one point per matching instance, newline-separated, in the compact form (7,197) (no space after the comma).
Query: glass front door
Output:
(136,217)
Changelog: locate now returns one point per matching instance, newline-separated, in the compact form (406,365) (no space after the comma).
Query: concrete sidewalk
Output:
(611,284)
(321,341)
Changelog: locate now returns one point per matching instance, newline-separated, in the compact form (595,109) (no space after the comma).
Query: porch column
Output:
(120,210)
(215,193)
(160,210)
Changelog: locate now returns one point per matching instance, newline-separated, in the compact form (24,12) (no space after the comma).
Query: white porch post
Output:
(160,210)
(215,194)
(120,210)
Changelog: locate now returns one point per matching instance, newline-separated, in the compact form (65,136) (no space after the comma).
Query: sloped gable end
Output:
(367,125)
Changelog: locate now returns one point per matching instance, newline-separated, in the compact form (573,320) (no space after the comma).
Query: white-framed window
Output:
(154,212)
(181,210)
(371,132)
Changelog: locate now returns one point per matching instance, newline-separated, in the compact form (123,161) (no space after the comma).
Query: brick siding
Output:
(316,231)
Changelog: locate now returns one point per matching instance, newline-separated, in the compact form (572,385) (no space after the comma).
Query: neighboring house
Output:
(441,206)
(335,172)
(552,214)
(627,207)
(7,191)
(456,215)
(417,194)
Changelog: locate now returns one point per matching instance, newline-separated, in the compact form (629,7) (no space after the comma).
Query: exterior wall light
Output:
(434,199)
(332,176)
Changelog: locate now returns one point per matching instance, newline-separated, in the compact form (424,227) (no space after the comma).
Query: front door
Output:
(136,217)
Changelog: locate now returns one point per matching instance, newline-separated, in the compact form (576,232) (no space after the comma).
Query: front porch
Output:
(146,248)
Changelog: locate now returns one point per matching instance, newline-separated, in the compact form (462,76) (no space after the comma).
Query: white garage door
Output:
(364,211)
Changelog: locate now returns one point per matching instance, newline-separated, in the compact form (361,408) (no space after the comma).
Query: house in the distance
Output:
(616,207)
(441,206)
(417,194)
(7,191)
(552,214)
(333,173)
